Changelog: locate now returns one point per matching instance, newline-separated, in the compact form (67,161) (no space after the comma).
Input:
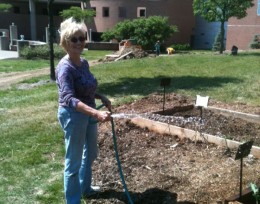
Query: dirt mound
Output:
(136,52)
(127,50)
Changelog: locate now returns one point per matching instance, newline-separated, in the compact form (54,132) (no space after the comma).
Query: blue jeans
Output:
(81,150)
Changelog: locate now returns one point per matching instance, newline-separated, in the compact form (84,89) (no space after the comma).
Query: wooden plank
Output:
(163,128)
(245,116)
(113,56)
(123,56)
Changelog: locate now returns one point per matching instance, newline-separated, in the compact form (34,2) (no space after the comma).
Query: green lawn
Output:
(31,150)
(17,65)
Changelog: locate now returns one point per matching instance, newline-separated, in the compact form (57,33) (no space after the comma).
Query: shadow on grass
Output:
(150,196)
(145,86)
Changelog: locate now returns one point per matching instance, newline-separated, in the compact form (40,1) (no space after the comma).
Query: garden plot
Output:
(164,168)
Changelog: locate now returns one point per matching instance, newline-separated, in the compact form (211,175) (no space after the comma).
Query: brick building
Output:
(110,12)
(31,18)
(240,32)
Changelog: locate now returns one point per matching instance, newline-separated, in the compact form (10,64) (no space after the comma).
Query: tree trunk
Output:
(222,36)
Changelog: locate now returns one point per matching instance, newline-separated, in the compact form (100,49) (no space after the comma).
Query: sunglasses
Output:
(75,40)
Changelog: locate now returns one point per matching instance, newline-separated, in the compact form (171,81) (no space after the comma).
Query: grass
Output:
(15,65)
(222,77)
(31,150)
(95,54)
(18,65)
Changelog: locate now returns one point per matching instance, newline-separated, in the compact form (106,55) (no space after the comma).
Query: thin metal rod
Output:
(200,112)
(163,97)
(241,175)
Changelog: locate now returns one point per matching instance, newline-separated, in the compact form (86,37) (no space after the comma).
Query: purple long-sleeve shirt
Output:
(75,83)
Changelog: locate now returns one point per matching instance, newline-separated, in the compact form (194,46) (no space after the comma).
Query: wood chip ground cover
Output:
(165,169)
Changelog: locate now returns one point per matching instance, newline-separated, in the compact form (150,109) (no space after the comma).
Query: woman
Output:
(77,94)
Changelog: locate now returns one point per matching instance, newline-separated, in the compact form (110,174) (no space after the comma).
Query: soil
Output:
(165,169)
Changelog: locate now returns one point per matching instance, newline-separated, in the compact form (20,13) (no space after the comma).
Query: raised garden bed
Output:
(191,122)
(164,168)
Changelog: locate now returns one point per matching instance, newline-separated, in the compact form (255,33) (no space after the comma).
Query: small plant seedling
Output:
(256,192)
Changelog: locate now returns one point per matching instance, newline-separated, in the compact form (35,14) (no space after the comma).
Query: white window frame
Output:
(139,9)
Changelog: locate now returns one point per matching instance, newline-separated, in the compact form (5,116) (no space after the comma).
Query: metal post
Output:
(243,151)
(90,35)
(32,19)
(241,176)
(200,108)
(163,98)
(165,82)
(51,36)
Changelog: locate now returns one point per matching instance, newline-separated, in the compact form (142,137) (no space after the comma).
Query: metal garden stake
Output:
(243,151)
(201,102)
(165,82)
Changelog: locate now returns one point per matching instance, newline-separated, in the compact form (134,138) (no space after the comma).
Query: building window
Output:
(94,9)
(258,8)
(16,9)
(141,12)
(57,12)
(121,12)
(44,11)
(105,11)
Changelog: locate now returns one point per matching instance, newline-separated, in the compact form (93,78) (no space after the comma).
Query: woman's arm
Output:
(101,116)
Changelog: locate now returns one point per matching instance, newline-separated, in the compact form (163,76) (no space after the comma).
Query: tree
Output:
(146,31)
(221,10)
(78,14)
(5,7)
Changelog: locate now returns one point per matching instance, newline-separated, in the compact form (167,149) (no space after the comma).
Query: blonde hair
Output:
(68,28)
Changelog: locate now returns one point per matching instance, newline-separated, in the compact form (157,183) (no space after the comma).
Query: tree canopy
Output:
(146,31)
(221,10)
(78,14)
(5,7)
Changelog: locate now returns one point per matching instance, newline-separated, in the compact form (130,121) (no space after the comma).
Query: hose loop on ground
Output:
(117,156)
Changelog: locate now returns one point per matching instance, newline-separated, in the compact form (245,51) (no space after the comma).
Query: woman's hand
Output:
(103,116)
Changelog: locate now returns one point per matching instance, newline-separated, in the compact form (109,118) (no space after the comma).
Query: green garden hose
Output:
(119,163)
(117,156)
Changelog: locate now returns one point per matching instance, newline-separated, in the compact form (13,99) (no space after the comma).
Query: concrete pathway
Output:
(7,79)
(5,54)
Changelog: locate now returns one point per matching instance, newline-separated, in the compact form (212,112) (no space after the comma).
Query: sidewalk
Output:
(4,54)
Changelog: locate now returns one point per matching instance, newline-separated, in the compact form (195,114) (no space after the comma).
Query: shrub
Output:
(217,42)
(5,7)
(255,43)
(179,47)
(42,52)
(146,31)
